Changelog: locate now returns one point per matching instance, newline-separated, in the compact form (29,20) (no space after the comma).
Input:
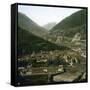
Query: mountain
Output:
(26,23)
(75,23)
(27,43)
(49,25)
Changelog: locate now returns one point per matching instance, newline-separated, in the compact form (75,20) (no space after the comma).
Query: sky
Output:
(43,15)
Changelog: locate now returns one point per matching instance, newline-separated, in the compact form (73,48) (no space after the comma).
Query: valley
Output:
(55,55)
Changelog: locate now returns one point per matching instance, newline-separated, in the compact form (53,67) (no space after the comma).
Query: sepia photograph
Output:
(51,44)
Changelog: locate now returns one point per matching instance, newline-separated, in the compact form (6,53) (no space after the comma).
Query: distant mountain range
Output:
(49,25)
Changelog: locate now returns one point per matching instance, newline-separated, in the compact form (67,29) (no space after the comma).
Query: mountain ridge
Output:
(71,24)
(28,24)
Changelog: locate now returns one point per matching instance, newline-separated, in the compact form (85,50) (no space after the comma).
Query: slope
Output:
(27,43)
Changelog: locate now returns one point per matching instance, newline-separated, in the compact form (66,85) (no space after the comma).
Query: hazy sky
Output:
(43,15)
